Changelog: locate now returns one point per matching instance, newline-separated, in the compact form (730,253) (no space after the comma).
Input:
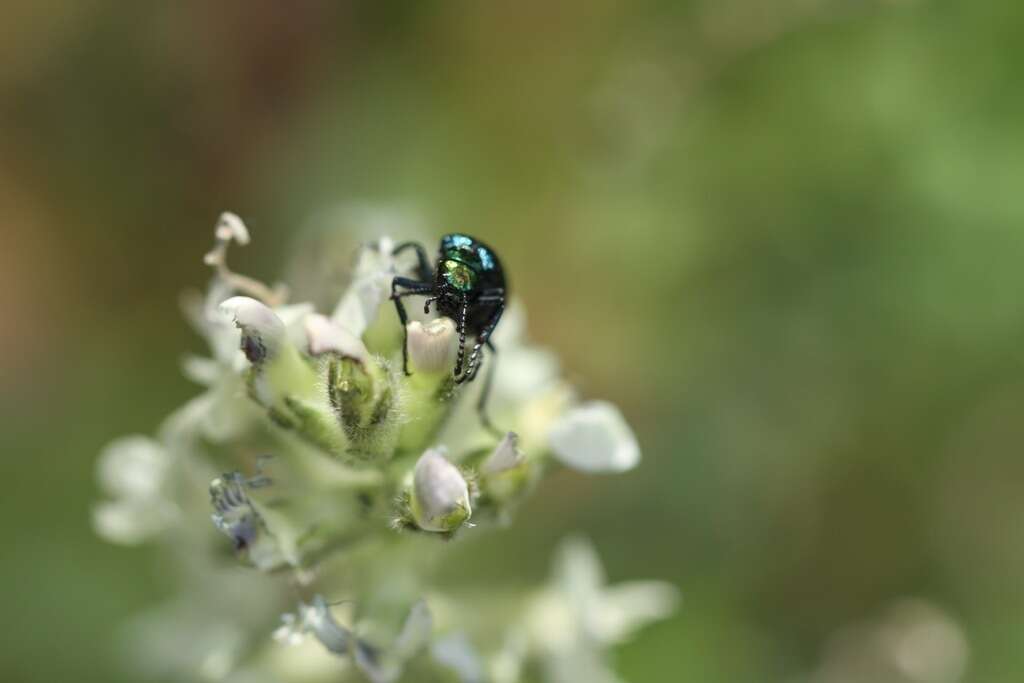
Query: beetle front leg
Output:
(413,287)
(423,269)
(485,393)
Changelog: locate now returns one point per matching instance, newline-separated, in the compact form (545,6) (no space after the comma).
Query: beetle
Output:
(467,284)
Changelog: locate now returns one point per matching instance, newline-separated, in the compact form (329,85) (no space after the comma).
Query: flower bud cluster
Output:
(362,455)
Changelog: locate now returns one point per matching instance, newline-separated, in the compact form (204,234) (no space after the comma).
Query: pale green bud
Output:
(363,398)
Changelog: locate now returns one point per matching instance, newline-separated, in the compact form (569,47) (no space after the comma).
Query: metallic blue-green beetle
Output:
(468,285)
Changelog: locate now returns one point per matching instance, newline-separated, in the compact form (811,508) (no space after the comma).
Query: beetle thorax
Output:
(457,275)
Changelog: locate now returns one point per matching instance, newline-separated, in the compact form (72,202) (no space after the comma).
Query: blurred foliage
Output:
(784,236)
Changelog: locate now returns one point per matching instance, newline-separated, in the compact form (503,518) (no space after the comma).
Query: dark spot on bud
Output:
(253,348)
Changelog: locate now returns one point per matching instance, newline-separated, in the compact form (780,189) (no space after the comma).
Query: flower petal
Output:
(370,287)
(626,607)
(594,437)
(132,467)
(505,456)
(578,571)
(325,336)
(129,522)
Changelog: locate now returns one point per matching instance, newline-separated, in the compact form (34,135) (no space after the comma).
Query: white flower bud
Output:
(433,345)
(594,437)
(440,495)
(325,336)
(262,331)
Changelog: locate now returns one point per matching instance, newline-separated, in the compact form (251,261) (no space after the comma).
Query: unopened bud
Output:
(364,399)
(440,495)
(430,388)
(433,345)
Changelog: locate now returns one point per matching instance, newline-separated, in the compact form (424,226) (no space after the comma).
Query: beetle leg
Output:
(412,287)
(423,269)
(497,296)
(485,393)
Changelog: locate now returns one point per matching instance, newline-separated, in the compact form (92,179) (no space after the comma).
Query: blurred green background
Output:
(785,237)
